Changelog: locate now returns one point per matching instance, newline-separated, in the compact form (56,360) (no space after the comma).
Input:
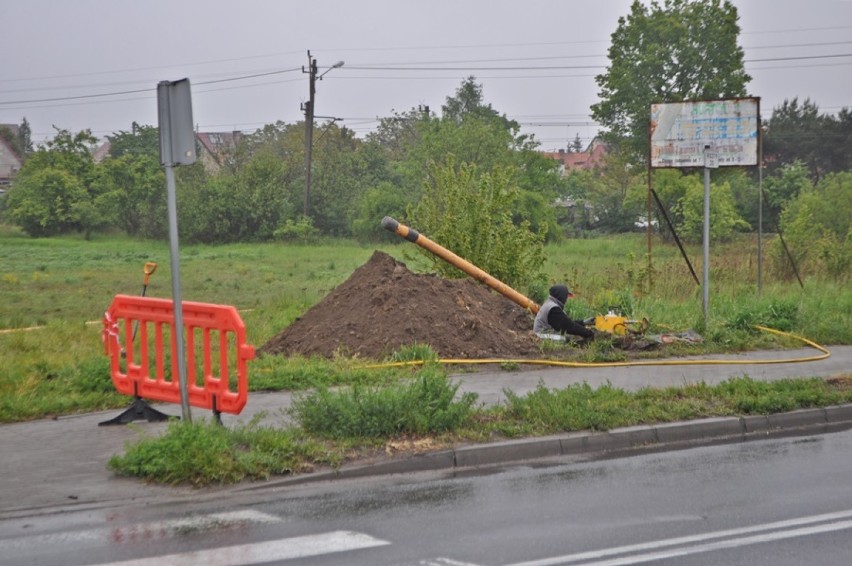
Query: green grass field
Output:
(54,291)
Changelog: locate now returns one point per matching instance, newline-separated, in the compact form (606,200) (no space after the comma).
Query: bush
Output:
(470,213)
(818,229)
(423,406)
(302,231)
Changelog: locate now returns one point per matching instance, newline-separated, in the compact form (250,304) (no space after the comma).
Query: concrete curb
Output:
(662,436)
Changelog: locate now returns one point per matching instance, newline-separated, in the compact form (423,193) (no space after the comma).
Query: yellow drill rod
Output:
(414,236)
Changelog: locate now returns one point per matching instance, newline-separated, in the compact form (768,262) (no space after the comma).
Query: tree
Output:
(616,194)
(818,228)
(576,145)
(54,192)
(680,51)
(724,218)
(470,213)
(132,191)
(140,140)
(783,187)
(798,132)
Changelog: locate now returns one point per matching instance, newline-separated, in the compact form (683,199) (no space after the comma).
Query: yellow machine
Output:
(619,325)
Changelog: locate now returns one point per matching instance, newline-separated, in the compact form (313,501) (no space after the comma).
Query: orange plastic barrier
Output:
(215,349)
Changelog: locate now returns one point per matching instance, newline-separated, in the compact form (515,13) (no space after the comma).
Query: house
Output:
(589,159)
(214,149)
(10,162)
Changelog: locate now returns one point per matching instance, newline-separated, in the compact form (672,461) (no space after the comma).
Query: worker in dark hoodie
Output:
(551,322)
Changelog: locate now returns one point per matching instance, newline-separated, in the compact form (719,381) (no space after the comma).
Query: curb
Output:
(664,436)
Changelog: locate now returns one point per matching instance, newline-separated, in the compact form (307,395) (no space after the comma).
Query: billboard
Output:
(705,133)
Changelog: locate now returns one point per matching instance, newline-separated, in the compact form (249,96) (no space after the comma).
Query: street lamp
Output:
(308,107)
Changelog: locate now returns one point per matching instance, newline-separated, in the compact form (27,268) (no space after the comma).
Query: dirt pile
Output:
(383,306)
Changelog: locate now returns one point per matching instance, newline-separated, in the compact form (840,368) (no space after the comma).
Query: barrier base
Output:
(139,410)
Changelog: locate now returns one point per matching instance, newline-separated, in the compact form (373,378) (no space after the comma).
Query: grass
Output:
(62,286)
(333,426)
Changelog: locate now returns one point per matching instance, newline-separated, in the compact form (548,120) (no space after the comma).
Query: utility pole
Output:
(308,107)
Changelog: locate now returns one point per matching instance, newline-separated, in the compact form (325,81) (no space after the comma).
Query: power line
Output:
(137,91)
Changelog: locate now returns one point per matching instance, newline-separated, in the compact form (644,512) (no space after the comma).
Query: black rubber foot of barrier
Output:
(139,410)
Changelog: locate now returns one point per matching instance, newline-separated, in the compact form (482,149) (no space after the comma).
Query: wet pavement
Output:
(49,464)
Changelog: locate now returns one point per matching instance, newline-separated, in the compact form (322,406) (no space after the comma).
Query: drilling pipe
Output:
(412,235)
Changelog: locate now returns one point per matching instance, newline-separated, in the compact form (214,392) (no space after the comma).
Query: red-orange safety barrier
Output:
(138,364)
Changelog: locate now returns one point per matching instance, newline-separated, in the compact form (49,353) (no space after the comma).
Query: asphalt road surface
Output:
(778,501)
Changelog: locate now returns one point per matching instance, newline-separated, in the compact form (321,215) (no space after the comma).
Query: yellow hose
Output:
(825,353)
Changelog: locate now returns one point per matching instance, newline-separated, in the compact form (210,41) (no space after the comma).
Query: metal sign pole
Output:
(710,162)
(177,146)
(706,283)
(174,253)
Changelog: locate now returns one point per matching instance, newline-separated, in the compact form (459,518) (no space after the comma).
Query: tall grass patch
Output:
(425,405)
(204,452)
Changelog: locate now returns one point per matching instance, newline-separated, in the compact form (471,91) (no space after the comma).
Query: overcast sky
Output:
(536,59)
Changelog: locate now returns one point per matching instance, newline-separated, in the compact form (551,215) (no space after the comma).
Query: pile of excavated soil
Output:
(383,306)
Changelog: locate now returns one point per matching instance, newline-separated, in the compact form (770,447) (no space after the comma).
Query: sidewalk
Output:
(51,464)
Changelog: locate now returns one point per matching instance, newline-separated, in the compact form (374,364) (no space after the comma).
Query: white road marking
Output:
(268,551)
(142,532)
(445,562)
(790,532)
(723,544)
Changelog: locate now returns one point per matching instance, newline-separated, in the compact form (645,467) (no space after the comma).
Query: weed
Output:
(414,353)
(423,406)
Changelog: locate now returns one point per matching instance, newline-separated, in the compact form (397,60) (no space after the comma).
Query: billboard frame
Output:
(681,134)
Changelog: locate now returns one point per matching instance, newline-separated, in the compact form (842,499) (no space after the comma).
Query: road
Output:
(777,501)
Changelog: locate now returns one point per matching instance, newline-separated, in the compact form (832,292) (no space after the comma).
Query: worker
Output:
(551,322)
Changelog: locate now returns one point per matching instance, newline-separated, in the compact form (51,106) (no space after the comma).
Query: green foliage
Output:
(724,218)
(799,133)
(53,193)
(302,231)
(414,352)
(818,228)
(386,199)
(426,405)
(133,189)
(203,453)
(776,314)
(43,203)
(617,194)
(678,51)
(140,141)
(576,407)
(470,213)
(783,187)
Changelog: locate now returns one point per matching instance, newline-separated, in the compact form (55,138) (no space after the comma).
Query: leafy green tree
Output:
(617,194)
(54,192)
(132,190)
(474,133)
(799,132)
(140,140)
(45,201)
(469,213)
(818,228)
(678,51)
(343,171)
(724,218)
(386,199)
(783,187)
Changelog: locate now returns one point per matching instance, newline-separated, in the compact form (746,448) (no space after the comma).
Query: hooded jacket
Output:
(551,317)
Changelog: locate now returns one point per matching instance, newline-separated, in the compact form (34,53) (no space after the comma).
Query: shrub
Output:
(470,213)
(423,406)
